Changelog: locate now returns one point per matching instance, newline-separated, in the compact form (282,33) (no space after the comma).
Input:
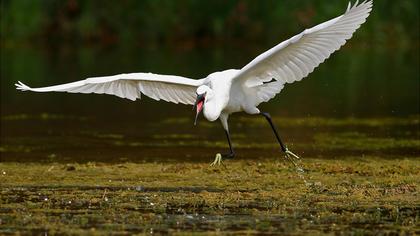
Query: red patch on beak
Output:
(200,106)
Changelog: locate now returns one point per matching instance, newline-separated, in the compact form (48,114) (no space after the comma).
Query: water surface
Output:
(359,82)
(74,163)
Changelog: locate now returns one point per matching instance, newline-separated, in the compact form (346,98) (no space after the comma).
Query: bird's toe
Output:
(217,160)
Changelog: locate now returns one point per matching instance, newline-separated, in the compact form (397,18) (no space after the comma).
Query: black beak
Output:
(196,118)
(200,98)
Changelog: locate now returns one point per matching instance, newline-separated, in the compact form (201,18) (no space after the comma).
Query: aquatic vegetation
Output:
(335,122)
(41,116)
(108,136)
(360,176)
(360,141)
(174,136)
(255,121)
(352,195)
(17,148)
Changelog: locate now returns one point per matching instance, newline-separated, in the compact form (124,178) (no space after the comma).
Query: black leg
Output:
(288,153)
(268,117)
(232,153)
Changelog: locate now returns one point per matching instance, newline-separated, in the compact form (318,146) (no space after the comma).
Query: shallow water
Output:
(96,163)
(51,138)
(363,100)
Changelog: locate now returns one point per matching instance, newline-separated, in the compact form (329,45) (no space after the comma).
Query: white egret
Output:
(223,93)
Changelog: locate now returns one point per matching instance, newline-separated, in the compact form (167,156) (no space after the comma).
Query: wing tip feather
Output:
(22,87)
(367,3)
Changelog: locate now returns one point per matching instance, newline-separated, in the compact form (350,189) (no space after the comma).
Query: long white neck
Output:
(217,101)
(213,108)
(218,98)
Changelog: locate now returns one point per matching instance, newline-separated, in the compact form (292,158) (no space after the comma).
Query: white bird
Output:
(223,93)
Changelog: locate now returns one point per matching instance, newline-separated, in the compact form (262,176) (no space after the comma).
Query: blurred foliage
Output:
(191,23)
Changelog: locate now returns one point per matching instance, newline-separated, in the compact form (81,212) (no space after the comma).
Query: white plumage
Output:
(233,90)
(293,59)
(169,88)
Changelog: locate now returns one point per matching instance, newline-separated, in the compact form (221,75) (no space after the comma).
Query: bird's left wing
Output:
(293,59)
(169,88)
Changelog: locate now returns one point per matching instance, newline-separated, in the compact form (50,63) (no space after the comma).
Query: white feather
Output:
(130,86)
(293,59)
(234,90)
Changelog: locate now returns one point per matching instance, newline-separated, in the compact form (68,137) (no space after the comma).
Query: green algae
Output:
(174,136)
(361,141)
(314,121)
(15,148)
(361,176)
(326,141)
(365,195)
(336,122)
(42,116)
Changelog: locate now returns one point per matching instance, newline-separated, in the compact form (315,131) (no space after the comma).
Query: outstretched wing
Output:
(293,59)
(169,88)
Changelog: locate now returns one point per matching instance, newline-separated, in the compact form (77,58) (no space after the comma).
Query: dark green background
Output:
(191,23)
(48,42)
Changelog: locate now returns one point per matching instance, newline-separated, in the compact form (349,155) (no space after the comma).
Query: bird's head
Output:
(202,94)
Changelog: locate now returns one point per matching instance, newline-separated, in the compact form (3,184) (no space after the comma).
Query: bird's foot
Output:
(290,156)
(217,160)
(219,157)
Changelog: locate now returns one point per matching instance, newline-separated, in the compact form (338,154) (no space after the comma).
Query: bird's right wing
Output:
(293,59)
(169,88)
